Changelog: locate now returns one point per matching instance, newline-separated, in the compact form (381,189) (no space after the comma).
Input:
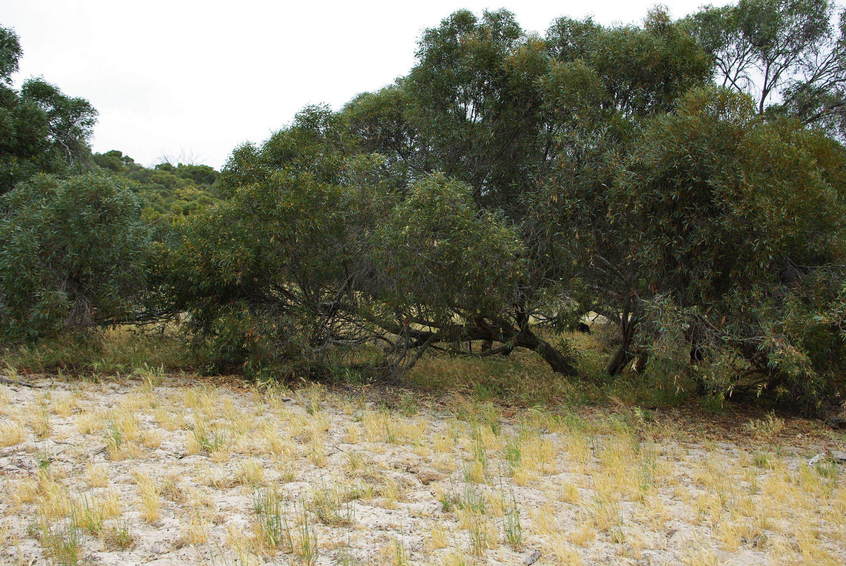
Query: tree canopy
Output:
(73,255)
(41,129)
(682,178)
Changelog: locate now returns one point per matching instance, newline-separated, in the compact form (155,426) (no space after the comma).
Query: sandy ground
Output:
(169,471)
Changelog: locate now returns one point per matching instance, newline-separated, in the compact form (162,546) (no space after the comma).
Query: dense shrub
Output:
(73,254)
(731,218)
(509,180)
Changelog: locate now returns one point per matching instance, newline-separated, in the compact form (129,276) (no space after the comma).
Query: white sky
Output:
(190,80)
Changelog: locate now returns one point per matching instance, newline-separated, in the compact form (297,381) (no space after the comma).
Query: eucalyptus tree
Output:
(73,255)
(324,248)
(730,218)
(532,125)
(511,178)
(603,85)
(476,103)
(10,54)
(383,122)
(41,129)
(789,55)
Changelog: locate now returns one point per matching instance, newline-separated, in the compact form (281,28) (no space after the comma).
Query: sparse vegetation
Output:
(61,543)
(560,481)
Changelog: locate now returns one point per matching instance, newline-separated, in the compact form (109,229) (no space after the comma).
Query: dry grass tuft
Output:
(11,434)
(149,499)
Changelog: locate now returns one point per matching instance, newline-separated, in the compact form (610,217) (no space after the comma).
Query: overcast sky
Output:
(190,80)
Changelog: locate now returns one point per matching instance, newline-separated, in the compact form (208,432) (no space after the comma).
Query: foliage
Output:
(167,192)
(41,129)
(642,70)
(789,55)
(383,122)
(262,272)
(10,54)
(513,178)
(683,179)
(73,255)
(730,217)
(439,255)
(727,197)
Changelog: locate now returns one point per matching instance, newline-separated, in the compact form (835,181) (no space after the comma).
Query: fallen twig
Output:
(8,381)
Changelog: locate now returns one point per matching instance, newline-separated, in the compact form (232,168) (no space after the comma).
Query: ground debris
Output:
(532,558)
(8,381)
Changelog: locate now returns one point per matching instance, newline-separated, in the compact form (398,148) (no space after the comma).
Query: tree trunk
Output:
(623,355)
(556,360)
(619,360)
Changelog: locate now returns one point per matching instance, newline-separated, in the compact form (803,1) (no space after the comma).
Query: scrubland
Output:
(152,467)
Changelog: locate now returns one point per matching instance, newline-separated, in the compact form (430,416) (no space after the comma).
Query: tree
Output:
(451,273)
(789,55)
(383,122)
(73,255)
(275,276)
(643,70)
(41,129)
(510,179)
(507,113)
(723,199)
(488,110)
(475,102)
(729,216)
(10,54)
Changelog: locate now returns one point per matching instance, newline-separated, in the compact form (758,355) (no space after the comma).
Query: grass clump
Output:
(11,434)
(88,515)
(512,527)
(62,544)
(271,525)
(332,507)
(118,537)
(149,499)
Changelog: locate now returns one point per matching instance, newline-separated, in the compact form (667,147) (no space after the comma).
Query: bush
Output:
(733,220)
(72,255)
(265,274)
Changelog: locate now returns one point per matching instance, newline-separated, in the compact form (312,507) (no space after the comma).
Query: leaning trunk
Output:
(556,360)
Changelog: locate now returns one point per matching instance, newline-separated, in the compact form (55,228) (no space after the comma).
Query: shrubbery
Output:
(508,181)
(74,255)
